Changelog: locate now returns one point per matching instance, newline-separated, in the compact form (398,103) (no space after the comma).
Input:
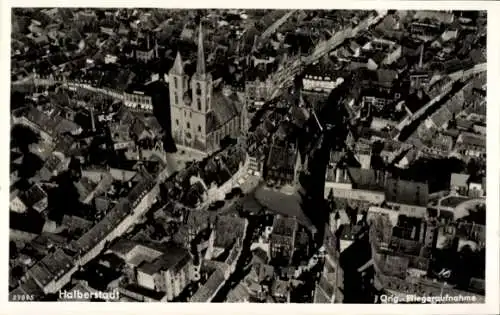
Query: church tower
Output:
(190,102)
(201,89)
(178,85)
(201,83)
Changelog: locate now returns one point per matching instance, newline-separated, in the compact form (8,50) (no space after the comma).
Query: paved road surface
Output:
(274,27)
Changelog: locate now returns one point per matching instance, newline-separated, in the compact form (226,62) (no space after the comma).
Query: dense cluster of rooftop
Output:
(261,155)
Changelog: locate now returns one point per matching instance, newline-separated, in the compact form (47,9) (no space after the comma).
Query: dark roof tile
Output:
(407,192)
(174,257)
(33,195)
(228,229)
(224,109)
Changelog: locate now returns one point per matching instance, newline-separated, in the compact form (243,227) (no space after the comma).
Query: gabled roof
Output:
(125,116)
(223,110)
(57,263)
(444,17)
(52,163)
(174,257)
(84,187)
(265,272)
(122,247)
(228,229)
(239,293)
(473,140)
(282,157)
(388,22)
(285,226)
(42,120)
(40,274)
(214,282)
(74,222)
(34,195)
(261,254)
(138,127)
(366,178)
(407,192)
(386,76)
(198,219)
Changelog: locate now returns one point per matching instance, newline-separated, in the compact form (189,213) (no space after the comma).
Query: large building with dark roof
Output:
(407,192)
(170,273)
(283,163)
(201,117)
(283,239)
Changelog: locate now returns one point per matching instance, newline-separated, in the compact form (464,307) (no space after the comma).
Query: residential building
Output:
(136,97)
(389,51)
(322,77)
(411,197)
(373,99)
(36,198)
(210,287)
(283,163)
(16,204)
(170,273)
(145,52)
(471,145)
(258,91)
(53,271)
(424,30)
(401,263)
(283,239)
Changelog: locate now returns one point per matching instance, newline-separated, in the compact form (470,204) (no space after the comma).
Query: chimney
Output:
(156,49)
(337,175)
(421,60)
(422,231)
(92,120)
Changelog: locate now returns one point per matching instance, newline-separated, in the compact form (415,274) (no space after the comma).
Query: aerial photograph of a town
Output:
(261,156)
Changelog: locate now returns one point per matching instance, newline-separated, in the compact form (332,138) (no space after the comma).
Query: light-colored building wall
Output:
(17,235)
(17,205)
(218,193)
(146,280)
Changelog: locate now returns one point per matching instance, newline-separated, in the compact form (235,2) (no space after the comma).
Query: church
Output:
(201,116)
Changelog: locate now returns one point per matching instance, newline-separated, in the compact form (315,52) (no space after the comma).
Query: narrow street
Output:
(411,128)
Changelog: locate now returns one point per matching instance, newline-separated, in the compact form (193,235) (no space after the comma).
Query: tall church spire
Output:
(178,67)
(421,60)
(200,63)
